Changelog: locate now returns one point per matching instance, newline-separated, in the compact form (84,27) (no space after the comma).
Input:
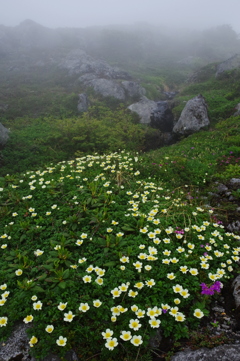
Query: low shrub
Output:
(96,257)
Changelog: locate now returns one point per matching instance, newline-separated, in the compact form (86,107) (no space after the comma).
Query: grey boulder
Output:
(79,62)
(83,102)
(107,88)
(133,89)
(17,346)
(162,117)
(229,64)
(3,107)
(143,108)
(193,118)
(237,108)
(4,136)
(223,353)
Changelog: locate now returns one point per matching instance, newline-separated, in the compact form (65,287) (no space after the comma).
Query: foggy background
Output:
(196,14)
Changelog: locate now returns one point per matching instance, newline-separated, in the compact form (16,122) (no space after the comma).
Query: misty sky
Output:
(197,14)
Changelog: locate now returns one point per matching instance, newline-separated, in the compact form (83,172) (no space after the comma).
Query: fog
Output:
(195,14)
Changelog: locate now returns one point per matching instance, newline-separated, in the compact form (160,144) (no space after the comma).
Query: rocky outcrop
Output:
(102,77)
(143,108)
(133,89)
(162,117)
(4,135)
(170,94)
(223,353)
(107,88)
(237,108)
(3,107)
(226,193)
(83,103)
(79,62)
(236,291)
(190,61)
(229,64)
(193,118)
(17,347)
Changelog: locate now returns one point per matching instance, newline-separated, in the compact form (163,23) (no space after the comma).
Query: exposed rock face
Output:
(237,108)
(170,94)
(17,346)
(133,89)
(162,117)
(143,108)
(83,102)
(107,88)
(3,107)
(229,64)
(79,62)
(223,353)
(3,136)
(189,60)
(193,117)
(102,77)
(236,291)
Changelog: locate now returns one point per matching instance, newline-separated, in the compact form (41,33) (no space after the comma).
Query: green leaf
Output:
(53,253)
(51,279)
(52,260)
(110,264)
(10,258)
(11,275)
(13,265)
(128,229)
(68,263)
(62,285)
(74,226)
(38,289)
(42,277)
(48,267)
(65,274)
(23,237)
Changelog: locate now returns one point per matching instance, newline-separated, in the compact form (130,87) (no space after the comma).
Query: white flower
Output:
(87,279)
(177,288)
(61,341)
(134,324)
(18,272)
(84,307)
(116,292)
(49,328)
(68,317)
(136,340)
(154,323)
(62,306)
(38,252)
(111,343)
(28,319)
(37,305)
(125,335)
(97,303)
(33,340)
(124,259)
(107,334)
(3,321)
(198,313)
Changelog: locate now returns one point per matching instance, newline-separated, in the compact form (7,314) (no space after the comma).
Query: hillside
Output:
(113,245)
